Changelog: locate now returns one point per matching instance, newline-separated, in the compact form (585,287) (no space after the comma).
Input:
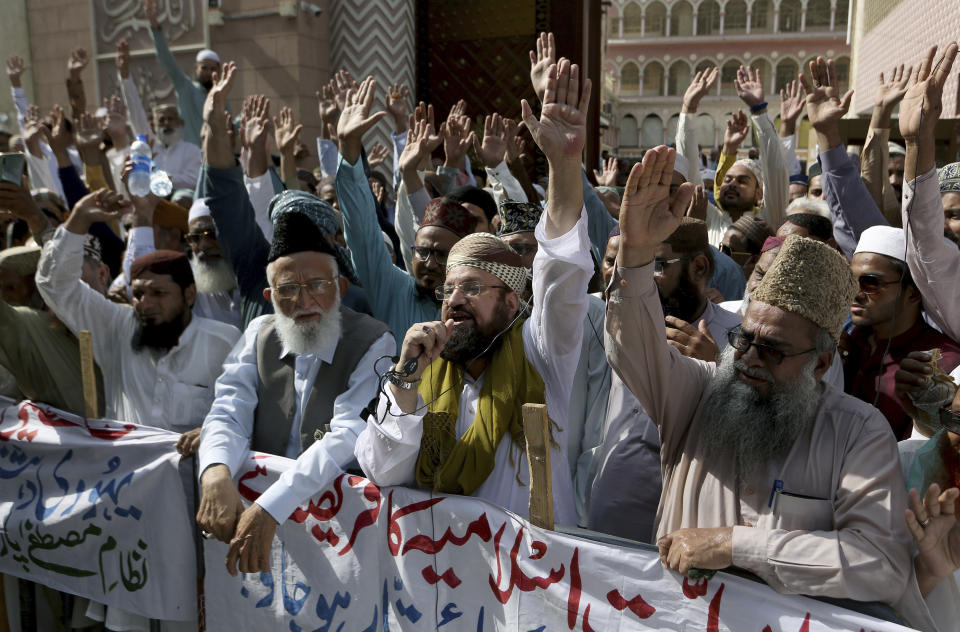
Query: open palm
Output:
(562,129)
(647,215)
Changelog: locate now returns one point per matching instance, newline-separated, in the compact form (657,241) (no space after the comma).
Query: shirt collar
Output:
(325,355)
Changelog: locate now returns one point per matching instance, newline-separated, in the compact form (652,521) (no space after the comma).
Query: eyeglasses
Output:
(734,254)
(768,355)
(423,253)
(315,288)
(660,264)
(469,289)
(872,284)
(196,238)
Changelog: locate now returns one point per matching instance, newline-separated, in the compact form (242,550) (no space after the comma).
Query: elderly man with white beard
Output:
(764,466)
(218,296)
(303,372)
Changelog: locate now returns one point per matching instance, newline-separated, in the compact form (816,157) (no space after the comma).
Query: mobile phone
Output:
(11,168)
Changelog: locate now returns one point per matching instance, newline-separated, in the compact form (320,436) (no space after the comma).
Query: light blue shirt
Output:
(229,424)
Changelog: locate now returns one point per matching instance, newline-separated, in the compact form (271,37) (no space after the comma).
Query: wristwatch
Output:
(404,384)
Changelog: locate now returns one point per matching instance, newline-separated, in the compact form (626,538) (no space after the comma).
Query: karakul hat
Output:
(20,259)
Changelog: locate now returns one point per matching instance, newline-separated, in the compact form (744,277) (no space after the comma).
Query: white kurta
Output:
(388,451)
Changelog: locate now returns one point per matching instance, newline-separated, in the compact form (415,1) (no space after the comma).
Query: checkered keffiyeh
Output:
(491,254)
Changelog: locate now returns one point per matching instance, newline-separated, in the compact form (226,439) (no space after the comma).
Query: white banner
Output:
(363,559)
(97,509)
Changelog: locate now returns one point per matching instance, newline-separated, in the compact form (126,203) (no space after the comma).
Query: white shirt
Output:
(260,191)
(172,391)
(388,451)
(229,425)
(181,161)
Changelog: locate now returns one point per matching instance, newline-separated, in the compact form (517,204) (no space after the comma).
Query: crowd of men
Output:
(727,367)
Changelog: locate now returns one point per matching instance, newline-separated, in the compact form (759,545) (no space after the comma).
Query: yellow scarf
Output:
(452,466)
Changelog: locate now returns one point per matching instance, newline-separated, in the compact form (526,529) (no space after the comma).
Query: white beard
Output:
(312,337)
(212,276)
(172,137)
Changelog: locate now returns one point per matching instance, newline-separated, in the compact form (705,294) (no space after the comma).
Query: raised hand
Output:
(892,88)
(699,87)
(693,342)
(561,130)
(256,121)
(923,102)
(217,144)
(123,58)
(102,205)
(77,62)
(88,133)
(608,177)
(933,523)
(540,62)
(398,98)
(328,109)
(152,12)
(60,138)
(286,131)
(737,129)
(825,105)
(494,145)
(511,133)
(792,103)
(749,85)
(343,82)
(34,131)
(457,139)
(15,68)
(458,111)
(698,204)
(116,119)
(377,155)
(647,215)
(421,142)
(355,119)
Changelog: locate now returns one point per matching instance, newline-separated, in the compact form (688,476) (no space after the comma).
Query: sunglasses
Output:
(872,283)
(770,356)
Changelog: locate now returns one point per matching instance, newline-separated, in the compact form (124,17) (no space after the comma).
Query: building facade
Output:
(654,47)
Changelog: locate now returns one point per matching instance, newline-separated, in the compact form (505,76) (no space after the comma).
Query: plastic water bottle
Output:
(160,183)
(138,182)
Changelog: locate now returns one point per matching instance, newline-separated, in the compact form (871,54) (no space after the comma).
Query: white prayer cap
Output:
(896,150)
(883,240)
(199,208)
(682,166)
(753,166)
(209,55)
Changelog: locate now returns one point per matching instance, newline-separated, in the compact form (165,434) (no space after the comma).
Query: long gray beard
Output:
(308,338)
(753,430)
(212,276)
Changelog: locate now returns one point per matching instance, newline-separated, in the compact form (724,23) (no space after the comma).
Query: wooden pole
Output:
(536,428)
(88,374)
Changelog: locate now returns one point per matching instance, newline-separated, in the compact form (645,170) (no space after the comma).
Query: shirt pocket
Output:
(794,512)
(190,405)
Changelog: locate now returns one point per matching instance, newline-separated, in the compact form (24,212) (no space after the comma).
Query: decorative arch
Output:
(765,67)
(629,132)
(708,18)
(681,19)
(653,79)
(656,19)
(651,134)
(630,78)
(842,65)
(632,19)
(703,64)
(735,17)
(840,19)
(670,135)
(761,16)
(728,72)
(790,14)
(818,15)
(678,78)
(787,70)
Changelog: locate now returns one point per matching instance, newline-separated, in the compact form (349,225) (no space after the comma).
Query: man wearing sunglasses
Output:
(887,324)
(764,467)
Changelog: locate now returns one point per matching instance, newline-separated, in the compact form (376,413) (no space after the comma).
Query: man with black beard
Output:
(178,157)
(305,371)
(159,362)
(630,447)
(453,424)
(764,466)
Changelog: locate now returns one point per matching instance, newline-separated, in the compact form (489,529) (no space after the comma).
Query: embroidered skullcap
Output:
(468,194)
(491,254)
(518,217)
(896,150)
(91,248)
(810,279)
(22,260)
(753,167)
(171,262)
(208,55)
(170,215)
(325,221)
(682,166)
(772,242)
(199,208)
(754,229)
(949,176)
(883,240)
(450,214)
(690,236)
